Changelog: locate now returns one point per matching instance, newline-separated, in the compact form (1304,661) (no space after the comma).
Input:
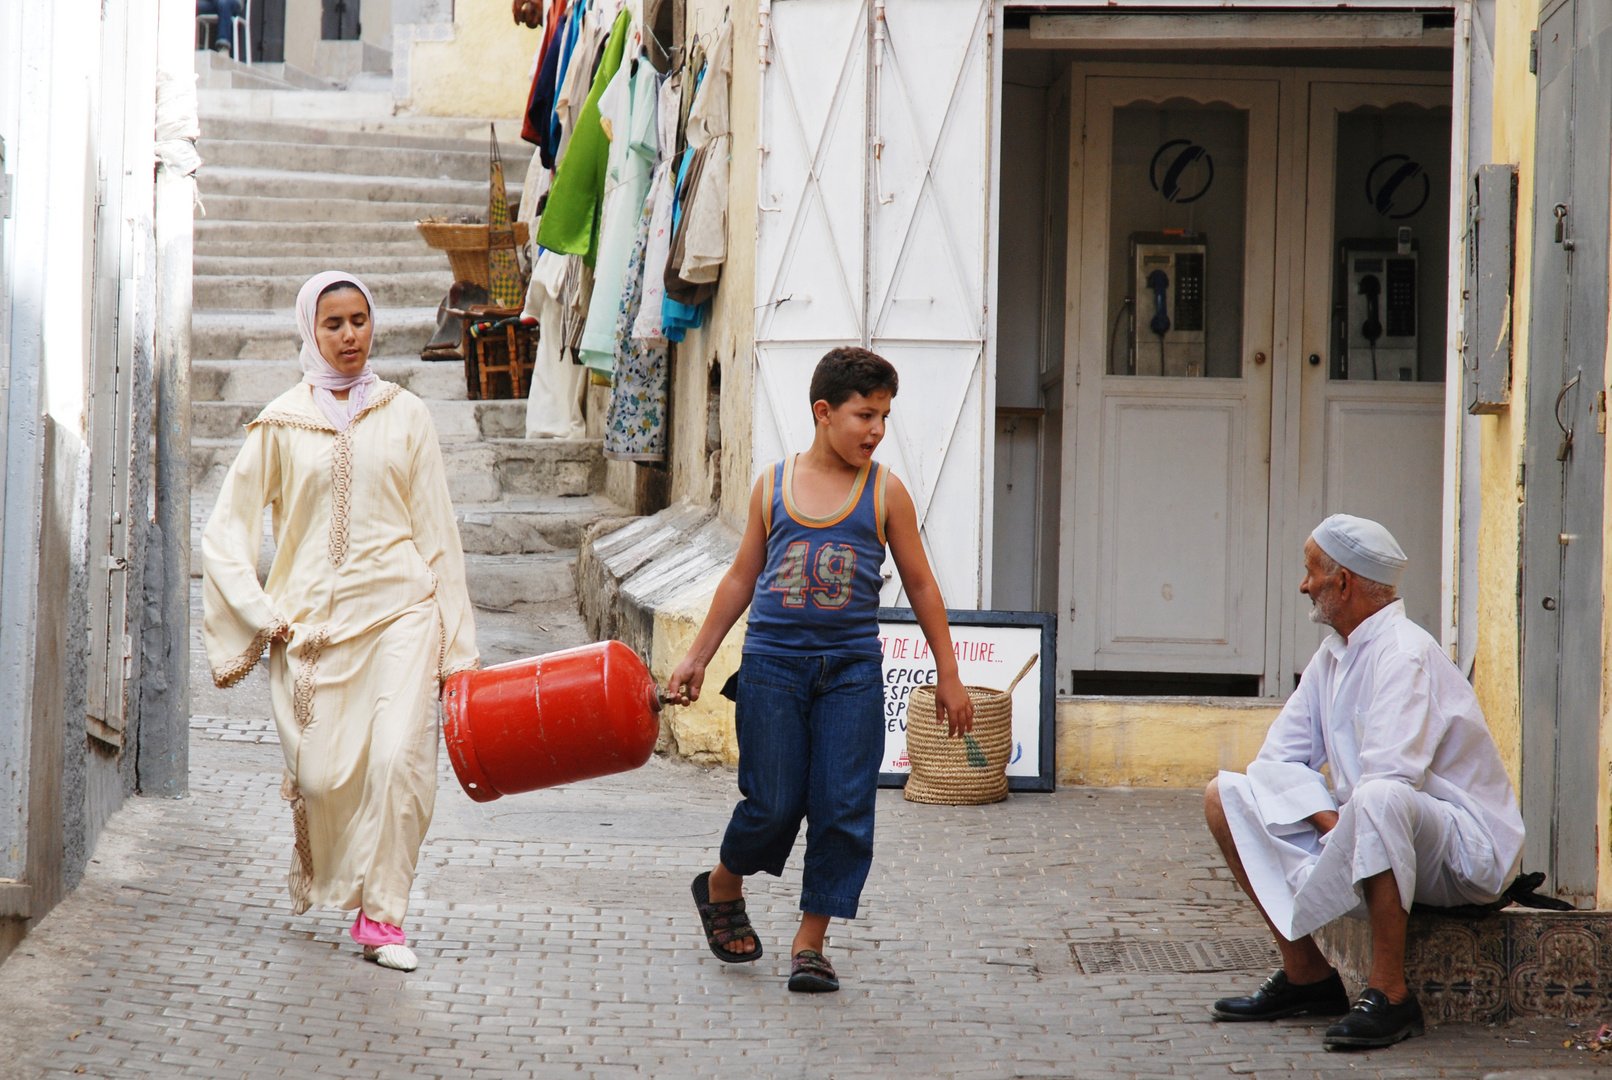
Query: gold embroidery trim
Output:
(341,491)
(238,668)
(299,879)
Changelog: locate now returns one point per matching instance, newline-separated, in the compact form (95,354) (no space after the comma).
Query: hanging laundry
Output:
(592,38)
(705,240)
(647,326)
(627,111)
(562,76)
(540,102)
(554,405)
(571,220)
(635,425)
(682,308)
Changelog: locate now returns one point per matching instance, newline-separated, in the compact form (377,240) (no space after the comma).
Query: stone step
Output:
(266,292)
(224,245)
(455,421)
(325,211)
(222,181)
(489,471)
(418,259)
(218,71)
(496,469)
(272,335)
(530,523)
(249,381)
(395,132)
(301,106)
(349,237)
(467,165)
(498,581)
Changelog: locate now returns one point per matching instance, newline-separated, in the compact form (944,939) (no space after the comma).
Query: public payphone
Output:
(1376,315)
(1168,309)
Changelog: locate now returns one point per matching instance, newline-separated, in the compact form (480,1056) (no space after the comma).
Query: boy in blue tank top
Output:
(810,698)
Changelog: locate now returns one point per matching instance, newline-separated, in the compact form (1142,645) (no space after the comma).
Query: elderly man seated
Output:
(1420,807)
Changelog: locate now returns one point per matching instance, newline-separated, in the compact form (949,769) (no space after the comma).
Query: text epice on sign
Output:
(987,656)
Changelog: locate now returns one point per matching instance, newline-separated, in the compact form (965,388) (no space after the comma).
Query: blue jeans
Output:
(227,11)
(811,736)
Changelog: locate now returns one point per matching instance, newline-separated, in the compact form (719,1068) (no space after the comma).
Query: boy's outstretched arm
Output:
(732,597)
(923,592)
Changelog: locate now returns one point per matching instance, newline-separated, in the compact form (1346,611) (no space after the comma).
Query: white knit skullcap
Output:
(1361,546)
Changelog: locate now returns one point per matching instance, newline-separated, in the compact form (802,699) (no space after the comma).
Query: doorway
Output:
(1251,300)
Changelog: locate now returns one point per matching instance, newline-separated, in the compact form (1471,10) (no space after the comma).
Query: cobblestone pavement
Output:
(557,939)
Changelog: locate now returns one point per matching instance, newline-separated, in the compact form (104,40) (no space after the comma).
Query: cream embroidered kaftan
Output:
(364,612)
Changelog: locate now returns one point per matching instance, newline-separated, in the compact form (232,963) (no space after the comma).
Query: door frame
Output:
(1087,308)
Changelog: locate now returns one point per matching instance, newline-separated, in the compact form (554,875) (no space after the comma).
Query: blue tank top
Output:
(819,592)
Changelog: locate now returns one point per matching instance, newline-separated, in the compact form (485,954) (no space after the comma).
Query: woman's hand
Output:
(952,702)
(683,688)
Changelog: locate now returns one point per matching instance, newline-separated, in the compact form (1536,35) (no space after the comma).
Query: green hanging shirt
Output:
(571,217)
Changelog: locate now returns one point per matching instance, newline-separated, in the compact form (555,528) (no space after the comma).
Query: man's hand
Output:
(683,688)
(953,703)
(1324,821)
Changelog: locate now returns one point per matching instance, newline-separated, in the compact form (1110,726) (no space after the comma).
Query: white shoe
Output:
(397,957)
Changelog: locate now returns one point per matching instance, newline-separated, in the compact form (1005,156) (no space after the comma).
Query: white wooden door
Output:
(875,196)
(1368,446)
(1167,476)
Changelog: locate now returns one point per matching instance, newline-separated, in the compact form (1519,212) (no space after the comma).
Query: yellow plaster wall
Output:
(1152,742)
(484,71)
(704,730)
(1496,673)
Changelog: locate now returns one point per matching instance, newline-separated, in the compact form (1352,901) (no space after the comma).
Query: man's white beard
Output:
(1321,615)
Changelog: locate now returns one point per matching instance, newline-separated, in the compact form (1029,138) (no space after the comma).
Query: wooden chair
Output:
(510,352)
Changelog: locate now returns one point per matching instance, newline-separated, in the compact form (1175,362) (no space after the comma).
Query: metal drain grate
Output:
(1179,957)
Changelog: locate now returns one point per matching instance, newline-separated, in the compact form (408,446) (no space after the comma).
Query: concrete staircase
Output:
(284,201)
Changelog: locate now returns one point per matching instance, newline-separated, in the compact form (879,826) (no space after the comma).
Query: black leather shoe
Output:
(1279,998)
(1375,1021)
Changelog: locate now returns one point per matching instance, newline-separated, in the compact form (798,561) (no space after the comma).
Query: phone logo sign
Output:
(1182,171)
(1396,183)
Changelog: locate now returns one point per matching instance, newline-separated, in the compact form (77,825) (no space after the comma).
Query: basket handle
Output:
(1023,671)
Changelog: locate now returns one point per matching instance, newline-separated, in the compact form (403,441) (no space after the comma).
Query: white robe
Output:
(1416,779)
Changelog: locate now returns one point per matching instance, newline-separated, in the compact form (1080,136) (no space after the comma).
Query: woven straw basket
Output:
(967,770)
(466,247)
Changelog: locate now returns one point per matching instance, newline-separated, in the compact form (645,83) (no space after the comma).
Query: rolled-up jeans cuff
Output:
(835,907)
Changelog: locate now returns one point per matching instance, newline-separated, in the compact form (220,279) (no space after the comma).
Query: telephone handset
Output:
(1372,328)
(1158,283)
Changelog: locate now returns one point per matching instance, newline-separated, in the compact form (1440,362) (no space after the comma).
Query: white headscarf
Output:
(316,370)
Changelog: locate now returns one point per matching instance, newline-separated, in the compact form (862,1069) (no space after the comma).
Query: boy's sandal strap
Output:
(810,960)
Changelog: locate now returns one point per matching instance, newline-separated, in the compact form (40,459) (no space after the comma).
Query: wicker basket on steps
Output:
(466,247)
(968,769)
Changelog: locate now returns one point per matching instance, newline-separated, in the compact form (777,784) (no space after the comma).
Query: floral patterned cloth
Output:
(635,427)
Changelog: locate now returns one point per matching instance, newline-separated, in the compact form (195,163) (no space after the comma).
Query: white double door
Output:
(1209,429)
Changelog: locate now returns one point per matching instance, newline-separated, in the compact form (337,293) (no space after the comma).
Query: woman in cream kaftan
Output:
(364,613)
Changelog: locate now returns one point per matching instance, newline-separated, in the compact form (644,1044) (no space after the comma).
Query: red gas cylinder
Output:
(552,719)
